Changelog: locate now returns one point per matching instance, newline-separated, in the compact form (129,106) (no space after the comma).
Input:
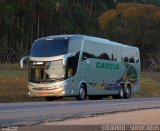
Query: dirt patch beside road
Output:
(139,117)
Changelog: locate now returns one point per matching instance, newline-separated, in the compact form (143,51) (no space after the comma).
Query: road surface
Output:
(29,113)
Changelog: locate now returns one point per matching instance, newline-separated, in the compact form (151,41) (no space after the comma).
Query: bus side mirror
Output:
(22,60)
(66,58)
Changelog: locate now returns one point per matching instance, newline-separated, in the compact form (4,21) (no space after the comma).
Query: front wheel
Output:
(82,93)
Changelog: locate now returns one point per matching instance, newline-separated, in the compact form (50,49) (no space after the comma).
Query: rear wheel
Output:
(127,93)
(82,93)
(121,92)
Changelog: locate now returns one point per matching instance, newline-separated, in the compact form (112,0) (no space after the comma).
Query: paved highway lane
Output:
(28,113)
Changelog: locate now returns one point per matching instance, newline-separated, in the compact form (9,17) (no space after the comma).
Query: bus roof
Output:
(85,37)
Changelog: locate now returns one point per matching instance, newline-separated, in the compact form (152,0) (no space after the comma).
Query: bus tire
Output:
(121,92)
(82,93)
(127,93)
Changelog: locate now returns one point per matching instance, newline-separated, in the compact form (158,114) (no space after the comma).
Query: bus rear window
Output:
(49,48)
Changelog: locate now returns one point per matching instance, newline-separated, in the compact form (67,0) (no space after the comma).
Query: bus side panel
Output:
(103,76)
(135,80)
(105,66)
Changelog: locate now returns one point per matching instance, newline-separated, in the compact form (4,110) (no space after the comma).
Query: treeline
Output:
(22,21)
(137,25)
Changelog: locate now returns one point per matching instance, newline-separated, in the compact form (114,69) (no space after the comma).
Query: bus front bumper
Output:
(35,91)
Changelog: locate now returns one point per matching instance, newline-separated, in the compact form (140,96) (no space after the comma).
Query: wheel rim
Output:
(121,93)
(128,91)
(82,93)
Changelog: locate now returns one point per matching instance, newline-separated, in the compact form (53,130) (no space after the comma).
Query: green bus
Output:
(82,66)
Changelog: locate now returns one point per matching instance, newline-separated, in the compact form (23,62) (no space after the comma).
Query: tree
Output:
(23,21)
(134,24)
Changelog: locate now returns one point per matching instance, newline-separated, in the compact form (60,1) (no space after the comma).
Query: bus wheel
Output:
(127,93)
(121,92)
(82,93)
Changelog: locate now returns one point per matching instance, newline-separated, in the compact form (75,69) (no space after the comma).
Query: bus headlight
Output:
(62,84)
(30,87)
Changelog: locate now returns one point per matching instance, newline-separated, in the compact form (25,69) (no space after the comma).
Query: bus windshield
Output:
(46,71)
(49,47)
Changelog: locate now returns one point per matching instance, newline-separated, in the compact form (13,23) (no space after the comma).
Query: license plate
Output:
(44,93)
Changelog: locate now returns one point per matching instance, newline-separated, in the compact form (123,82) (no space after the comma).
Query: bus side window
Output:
(87,55)
(126,59)
(84,56)
(131,60)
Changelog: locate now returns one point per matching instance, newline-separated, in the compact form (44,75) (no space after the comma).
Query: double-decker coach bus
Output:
(82,66)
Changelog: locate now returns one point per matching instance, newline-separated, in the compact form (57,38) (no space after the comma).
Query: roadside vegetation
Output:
(13,84)
(150,85)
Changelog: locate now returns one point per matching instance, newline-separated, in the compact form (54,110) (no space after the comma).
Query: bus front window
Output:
(55,70)
(46,71)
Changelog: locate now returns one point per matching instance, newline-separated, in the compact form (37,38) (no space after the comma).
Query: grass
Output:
(150,84)
(12,71)
(13,84)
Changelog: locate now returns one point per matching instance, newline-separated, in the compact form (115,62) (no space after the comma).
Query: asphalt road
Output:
(29,113)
